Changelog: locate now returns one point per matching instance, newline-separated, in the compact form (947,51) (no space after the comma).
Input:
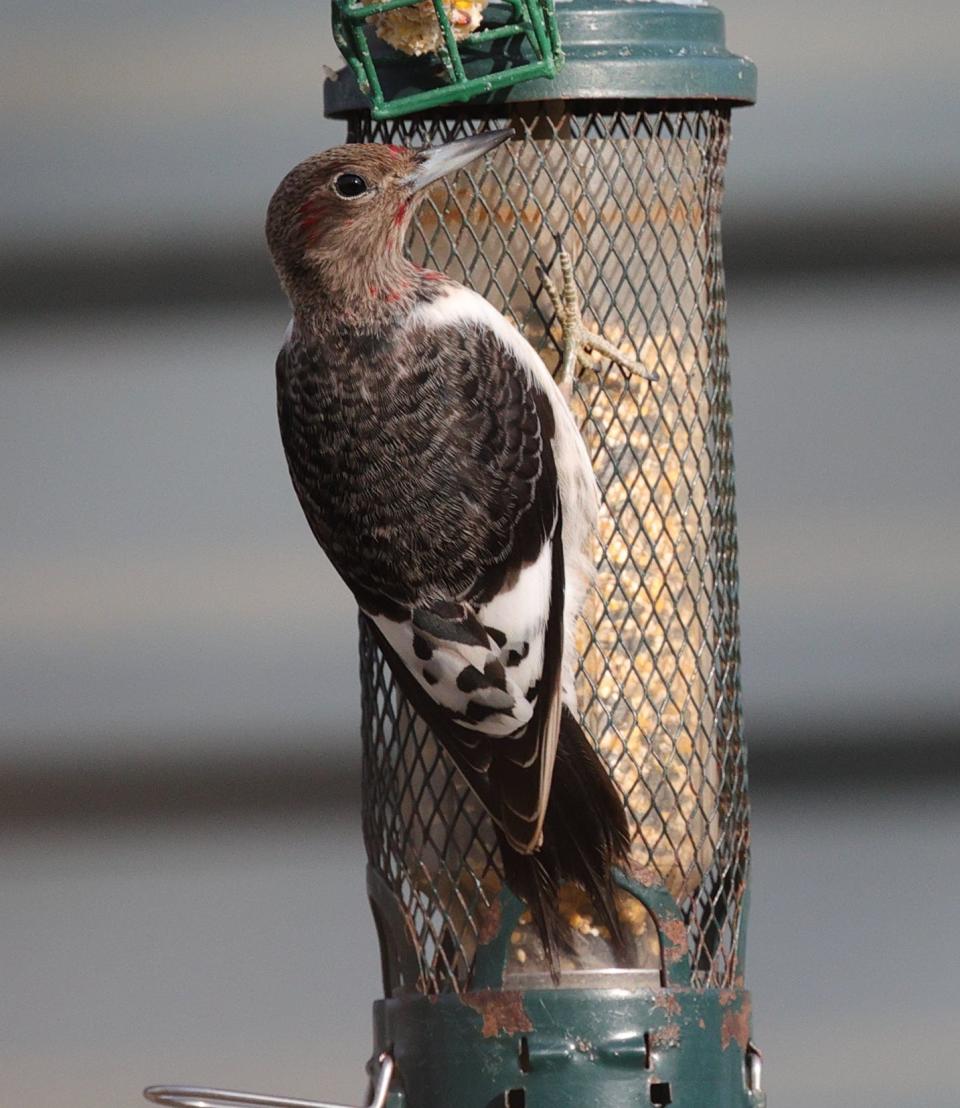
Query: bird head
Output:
(338,216)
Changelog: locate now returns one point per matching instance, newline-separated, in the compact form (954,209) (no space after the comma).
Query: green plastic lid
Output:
(613,50)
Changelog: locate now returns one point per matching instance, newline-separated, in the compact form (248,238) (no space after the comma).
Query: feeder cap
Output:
(613,50)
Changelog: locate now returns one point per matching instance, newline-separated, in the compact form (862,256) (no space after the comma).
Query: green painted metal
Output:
(488,966)
(529,47)
(612,49)
(671,926)
(569,1048)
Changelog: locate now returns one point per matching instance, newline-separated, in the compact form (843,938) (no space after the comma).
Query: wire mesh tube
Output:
(635,197)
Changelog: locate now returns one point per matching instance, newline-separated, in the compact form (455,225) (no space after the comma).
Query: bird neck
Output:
(367,291)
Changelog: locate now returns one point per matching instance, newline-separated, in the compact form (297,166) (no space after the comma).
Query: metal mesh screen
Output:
(636,197)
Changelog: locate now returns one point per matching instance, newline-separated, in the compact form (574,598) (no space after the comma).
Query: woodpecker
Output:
(440,469)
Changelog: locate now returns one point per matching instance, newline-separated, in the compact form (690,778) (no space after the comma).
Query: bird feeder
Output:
(620,155)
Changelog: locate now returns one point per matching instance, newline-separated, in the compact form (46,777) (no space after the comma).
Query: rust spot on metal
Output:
(702,1023)
(489,922)
(665,1037)
(675,932)
(646,876)
(668,1002)
(736,1026)
(501,1009)
(727,996)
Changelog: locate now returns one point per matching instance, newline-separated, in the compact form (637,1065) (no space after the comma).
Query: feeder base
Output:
(570,1048)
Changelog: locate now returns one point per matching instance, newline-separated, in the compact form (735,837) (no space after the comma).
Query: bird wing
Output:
(439,505)
(460,675)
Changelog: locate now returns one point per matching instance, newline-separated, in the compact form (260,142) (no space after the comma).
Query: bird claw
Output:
(576,339)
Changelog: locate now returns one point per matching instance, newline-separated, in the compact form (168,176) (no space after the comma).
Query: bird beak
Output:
(437,161)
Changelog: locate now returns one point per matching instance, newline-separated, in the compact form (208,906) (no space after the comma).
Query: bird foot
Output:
(578,342)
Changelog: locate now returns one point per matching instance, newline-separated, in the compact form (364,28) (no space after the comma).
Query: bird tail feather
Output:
(584,835)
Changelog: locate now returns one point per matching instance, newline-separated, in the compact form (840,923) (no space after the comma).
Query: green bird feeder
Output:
(619,152)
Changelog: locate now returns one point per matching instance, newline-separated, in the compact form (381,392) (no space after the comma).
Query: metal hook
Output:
(189,1096)
(754,1066)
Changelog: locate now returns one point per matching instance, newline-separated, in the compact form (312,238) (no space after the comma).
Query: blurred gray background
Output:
(181,872)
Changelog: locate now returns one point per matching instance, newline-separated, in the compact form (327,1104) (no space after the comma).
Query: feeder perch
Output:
(620,157)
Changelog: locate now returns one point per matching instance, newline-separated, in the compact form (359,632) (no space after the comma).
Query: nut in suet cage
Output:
(411,55)
(416,29)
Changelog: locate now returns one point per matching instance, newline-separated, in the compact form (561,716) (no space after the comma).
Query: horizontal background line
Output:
(177,274)
(287,779)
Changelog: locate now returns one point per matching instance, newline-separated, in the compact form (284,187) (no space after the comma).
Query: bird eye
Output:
(350,185)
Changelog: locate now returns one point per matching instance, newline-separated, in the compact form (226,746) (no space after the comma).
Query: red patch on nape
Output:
(373,290)
(400,213)
(430,275)
(395,150)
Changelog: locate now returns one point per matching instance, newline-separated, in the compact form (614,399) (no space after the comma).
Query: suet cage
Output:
(443,51)
(621,158)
